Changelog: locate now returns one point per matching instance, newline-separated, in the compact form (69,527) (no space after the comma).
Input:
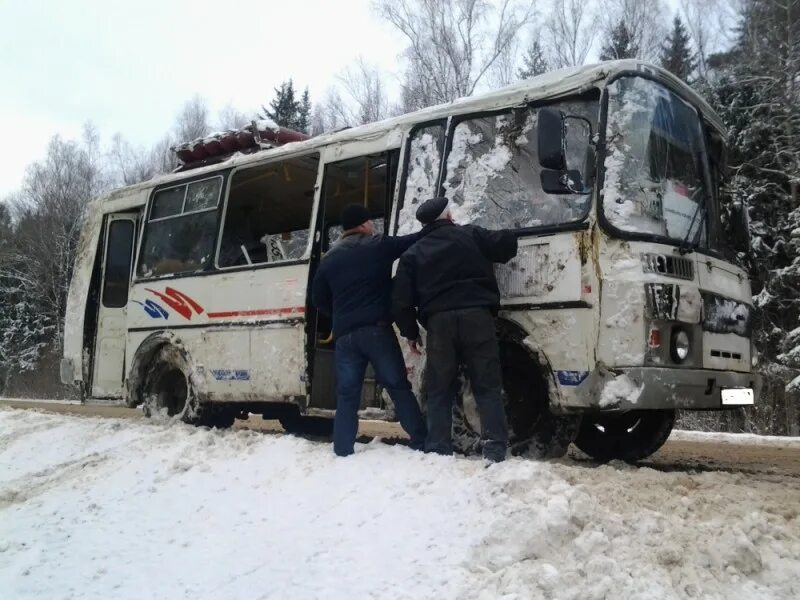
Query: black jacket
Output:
(449,268)
(353,283)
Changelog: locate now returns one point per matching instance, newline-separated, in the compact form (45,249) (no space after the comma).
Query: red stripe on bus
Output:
(264,312)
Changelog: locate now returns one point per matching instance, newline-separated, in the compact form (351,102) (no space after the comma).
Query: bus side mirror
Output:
(552,139)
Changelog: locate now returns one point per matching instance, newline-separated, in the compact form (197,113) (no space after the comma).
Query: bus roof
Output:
(553,84)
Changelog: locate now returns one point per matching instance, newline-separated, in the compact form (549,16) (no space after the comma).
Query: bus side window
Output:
(181,228)
(118,264)
(268,215)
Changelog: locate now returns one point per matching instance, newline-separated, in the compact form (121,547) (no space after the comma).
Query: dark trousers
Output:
(376,344)
(464,337)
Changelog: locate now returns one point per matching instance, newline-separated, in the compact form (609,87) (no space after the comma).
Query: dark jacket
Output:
(353,283)
(449,268)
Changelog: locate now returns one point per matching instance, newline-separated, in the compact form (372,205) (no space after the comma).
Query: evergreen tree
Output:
(755,91)
(283,108)
(620,44)
(304,113)
(533,62)
(676,54)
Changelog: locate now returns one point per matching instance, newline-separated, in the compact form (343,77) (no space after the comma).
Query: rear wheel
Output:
(628,436)
(534,431)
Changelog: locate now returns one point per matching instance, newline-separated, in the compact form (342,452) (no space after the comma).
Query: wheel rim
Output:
(618,425)
(172,391)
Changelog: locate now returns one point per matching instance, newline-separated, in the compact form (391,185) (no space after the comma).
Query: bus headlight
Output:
(680,345)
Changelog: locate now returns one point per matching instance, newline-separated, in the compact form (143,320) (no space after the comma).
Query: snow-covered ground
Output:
(108,508)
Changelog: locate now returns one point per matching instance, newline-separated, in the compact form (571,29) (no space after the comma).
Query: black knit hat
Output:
(354,215)
(429,210)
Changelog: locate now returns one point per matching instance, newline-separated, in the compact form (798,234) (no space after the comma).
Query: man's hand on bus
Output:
(416,346)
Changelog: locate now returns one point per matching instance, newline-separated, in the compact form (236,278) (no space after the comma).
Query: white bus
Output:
(191,291)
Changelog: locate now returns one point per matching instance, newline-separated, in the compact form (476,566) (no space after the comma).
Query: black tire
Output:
(303,425)
(534,431)
(168,391)
(629,436)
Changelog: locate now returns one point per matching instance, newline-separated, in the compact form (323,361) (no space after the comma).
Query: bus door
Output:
(109,349)
(367,180)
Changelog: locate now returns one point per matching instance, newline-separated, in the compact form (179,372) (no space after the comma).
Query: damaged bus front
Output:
(623,304)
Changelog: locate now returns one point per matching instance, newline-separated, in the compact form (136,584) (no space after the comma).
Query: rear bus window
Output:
(181,229)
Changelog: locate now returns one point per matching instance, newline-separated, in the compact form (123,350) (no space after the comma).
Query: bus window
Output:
(492,173)
(181,228)
(425,148)
(118,264)
(268,215)
(367,180)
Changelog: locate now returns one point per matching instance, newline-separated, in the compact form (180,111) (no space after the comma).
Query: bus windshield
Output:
(491,173)
(654,176)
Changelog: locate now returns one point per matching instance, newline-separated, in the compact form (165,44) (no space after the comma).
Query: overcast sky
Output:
(129,66)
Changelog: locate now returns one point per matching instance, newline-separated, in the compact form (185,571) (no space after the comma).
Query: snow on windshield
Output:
(653,168)
(493,176)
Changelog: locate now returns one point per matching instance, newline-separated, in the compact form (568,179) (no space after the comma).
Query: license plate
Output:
(740,396)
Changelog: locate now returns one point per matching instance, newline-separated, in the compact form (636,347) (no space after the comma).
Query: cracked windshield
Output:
(654,178)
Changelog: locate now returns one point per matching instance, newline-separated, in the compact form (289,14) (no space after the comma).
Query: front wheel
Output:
(629,436)
(534,431)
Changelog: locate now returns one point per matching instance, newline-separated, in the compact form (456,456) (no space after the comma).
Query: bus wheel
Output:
(628,436)
(534,431)
(168,392)
(293,422)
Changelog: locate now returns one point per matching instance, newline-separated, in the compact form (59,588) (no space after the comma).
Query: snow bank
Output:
(101,508)
(735,438)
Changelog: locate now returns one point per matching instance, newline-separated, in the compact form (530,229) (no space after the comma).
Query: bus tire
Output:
(168,392)
(629,436)
(294,423)
(534,431)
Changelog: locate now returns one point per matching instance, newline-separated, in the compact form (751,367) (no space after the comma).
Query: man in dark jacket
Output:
(447,281)
(353,285)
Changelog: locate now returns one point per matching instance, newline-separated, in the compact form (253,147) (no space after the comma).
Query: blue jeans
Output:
(376,344)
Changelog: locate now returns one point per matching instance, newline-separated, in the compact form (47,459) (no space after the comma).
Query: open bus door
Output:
(109,346)
(368,180)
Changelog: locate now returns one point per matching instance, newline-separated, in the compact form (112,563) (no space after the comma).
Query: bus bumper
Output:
(660,388)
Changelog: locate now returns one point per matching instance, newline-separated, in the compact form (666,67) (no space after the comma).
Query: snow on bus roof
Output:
(553,84)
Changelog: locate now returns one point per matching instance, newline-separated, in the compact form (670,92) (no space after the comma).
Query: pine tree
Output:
(304,113)
(283,107)
(533,62)
(676,54)
(620,44)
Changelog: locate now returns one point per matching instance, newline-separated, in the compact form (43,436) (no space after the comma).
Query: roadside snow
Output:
(107,508)
(735,438)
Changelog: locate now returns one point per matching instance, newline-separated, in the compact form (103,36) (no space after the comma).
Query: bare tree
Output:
(570,31)
(229,117)
(452,44)
(363,82)
(192,121)
(49,209)
(644,21)
(709,23)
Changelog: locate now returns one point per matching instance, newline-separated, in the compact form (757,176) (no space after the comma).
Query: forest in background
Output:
(742,56)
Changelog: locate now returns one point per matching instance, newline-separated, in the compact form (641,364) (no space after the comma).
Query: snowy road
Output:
(120,508)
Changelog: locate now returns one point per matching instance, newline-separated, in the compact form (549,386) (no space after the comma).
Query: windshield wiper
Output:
(687,246)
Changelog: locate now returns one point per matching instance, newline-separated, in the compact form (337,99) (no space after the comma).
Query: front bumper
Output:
(657,388)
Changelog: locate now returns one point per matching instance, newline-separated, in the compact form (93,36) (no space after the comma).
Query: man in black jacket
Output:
(353,285)
(447,281)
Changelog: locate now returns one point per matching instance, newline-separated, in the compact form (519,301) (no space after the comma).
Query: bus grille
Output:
(669,266)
